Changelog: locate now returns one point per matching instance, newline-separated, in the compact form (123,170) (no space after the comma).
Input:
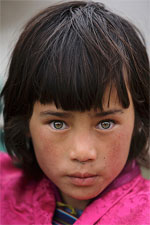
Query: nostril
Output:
(82,161)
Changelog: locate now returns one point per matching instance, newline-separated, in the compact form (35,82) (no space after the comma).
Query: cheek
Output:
(118,150)
(45,147)
(50,152)
(43,141)
(121,143)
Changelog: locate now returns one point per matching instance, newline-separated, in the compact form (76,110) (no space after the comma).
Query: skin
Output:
(80,142)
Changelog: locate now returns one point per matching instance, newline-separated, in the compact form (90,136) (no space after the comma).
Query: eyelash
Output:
(110,123)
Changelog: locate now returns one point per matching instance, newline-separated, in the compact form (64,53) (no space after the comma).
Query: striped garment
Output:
(65,214)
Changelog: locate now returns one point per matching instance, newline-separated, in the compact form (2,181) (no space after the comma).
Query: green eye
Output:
(106,125)
(58,125)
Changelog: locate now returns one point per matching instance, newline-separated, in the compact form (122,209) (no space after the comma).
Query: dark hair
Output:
(69,54)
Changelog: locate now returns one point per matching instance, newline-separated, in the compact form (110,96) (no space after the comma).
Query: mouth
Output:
(83,179)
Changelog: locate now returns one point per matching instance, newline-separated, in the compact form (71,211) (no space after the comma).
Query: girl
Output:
(76,120)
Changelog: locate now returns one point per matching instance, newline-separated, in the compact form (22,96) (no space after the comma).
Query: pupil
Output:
(58,125)
(105,125)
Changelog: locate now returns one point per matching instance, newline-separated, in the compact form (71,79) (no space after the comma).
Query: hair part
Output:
(69,54)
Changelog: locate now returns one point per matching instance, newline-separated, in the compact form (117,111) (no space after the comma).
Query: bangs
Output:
(77,63)
(79,84)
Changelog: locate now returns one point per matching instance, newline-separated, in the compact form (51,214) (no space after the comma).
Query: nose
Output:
(83,148)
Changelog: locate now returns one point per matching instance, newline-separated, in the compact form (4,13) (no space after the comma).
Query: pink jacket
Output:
(126,201)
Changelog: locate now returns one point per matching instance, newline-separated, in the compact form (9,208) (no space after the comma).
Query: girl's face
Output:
(82,152)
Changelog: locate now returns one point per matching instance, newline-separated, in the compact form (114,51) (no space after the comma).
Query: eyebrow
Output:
(58,114)
(68,114)
(109,112)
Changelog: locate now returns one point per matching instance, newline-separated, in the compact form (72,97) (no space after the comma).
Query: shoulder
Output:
(140,190)
(135,195)
(143,184)
(14,183)
(133,203)
(11,176)
(127,204)
(8,170)
(7,166)
(22,199)
(4,159)
(138,196)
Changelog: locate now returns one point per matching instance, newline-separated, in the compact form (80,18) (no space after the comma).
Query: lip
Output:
(83,179)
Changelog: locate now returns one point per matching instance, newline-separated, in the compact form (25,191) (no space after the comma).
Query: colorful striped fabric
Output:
(65,214)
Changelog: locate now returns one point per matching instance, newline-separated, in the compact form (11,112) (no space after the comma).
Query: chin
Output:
(84,197)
